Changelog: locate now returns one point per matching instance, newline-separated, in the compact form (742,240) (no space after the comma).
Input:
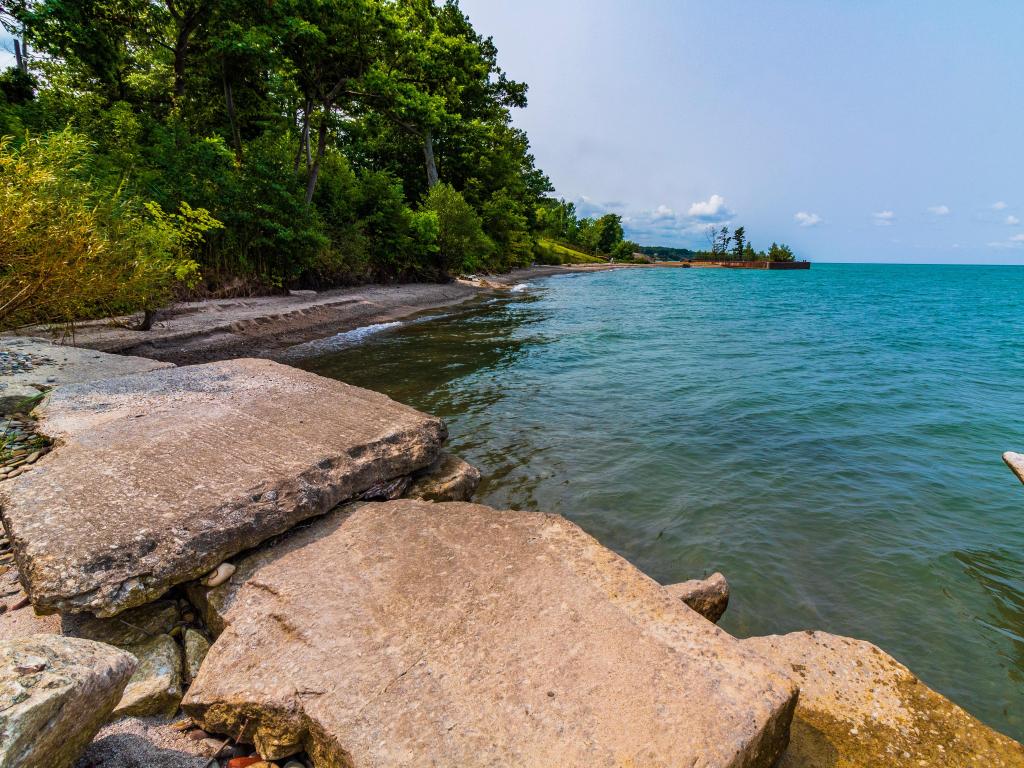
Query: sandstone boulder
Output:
(709,597)
(447,479)
(414,633)
(157,478)
(860,708)
(55,693)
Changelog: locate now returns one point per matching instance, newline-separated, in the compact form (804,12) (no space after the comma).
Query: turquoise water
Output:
(830,440)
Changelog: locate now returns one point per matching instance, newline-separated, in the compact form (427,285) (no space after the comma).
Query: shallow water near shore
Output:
(830,440)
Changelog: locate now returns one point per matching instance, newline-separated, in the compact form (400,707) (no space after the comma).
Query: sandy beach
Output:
(267,326)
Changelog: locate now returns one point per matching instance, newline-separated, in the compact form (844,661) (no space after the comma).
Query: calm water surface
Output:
(830,440)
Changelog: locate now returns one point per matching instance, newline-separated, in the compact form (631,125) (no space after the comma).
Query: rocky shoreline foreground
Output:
(240,563)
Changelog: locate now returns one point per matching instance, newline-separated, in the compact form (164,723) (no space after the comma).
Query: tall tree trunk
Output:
(321,145)
(428,156)
(180,51)
(19,57)
(229,100)
(304,138)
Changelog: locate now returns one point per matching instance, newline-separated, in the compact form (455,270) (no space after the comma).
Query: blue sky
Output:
(854,131)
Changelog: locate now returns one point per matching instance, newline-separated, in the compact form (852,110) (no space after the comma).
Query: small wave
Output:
(520,287)
(358,334)
(339,340)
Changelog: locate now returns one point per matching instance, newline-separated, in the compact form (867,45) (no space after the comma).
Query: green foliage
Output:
(461,242)
(780,253)
(300,125)
(72,246)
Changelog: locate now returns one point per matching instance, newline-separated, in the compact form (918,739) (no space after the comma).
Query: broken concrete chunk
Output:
(447,479)
(158,478)
(709,597)
(55,693)
(860,708)
(415,633)
(155,687)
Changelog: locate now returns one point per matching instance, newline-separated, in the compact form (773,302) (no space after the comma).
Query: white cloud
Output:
(806,219)
(663,212)
(712,209)
(884,218)
(1017,241)
(1013,221)
(939,210)
(999,206)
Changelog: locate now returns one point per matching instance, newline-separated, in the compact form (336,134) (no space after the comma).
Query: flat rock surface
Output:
(157,478)
(55,693)
(30,365)
(860,708)
(411,633)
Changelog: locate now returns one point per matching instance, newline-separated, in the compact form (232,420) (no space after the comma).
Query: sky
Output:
(853,130)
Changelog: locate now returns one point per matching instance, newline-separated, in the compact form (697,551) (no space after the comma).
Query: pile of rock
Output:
(228,539)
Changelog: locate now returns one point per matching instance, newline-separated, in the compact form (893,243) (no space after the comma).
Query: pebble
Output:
(244,762)
(197,735)
(218,575)
(214,745)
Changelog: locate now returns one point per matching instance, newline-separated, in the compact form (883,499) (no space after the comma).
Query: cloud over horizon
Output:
(807,219)
(939,210)
(884,218)
(711,210)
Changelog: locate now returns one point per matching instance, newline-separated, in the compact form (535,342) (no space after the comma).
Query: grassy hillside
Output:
(552,252)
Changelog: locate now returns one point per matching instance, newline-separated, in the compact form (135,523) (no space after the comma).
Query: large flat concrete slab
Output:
(411,633)
(860,708)
(157,478)
(29,366)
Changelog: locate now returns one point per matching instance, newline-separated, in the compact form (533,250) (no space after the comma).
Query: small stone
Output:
(218,575)
(214,746)
(198,735)
(155,688)
(196,648)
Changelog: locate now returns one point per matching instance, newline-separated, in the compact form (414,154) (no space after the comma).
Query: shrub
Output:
(462,244)
(73,248)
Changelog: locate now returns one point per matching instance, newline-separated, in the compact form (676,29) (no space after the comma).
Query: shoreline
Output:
(268,326)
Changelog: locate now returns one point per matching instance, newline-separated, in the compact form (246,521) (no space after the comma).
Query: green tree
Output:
(462,244)
(739,239)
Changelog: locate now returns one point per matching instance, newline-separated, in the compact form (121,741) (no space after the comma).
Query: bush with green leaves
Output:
(461,242)
(72,247)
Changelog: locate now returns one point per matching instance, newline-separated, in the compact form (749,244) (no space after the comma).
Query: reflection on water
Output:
(828,439)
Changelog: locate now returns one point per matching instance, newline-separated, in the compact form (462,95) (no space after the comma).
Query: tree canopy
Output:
(313,132)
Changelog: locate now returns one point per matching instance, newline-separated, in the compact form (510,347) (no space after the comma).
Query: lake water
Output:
(830,440)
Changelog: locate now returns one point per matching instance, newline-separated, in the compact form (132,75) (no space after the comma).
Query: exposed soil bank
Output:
(265,326)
